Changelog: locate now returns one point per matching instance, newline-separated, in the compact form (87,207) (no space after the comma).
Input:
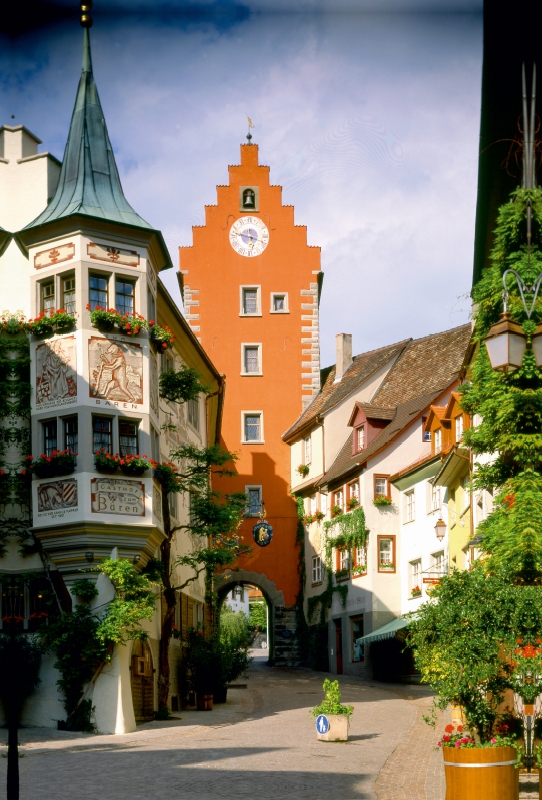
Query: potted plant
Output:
(382,500)
(42,325)
(162,337)
(131,324)
(303,470)
(352,503)
(342,574)
(334,727)
(319,516)
(106,462)
(231,647)
(201,666)
(336,510)
(416,591)
(134,465)
(103,318)
(175,631)
(309,519)
(62,321)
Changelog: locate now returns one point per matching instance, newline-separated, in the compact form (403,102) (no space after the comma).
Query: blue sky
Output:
(368,120)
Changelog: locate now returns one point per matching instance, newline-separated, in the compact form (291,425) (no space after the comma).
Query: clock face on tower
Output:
(249,236)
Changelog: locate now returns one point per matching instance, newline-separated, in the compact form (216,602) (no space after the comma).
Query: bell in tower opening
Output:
(249,198)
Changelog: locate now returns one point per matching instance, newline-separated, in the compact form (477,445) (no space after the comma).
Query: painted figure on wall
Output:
(116,370)
(57,494)
(56,380)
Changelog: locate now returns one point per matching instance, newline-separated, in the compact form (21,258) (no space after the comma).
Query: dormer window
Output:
(459,428)
(438,440)
(360,438)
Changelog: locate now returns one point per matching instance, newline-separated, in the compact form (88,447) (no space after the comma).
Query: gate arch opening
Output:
(142,682)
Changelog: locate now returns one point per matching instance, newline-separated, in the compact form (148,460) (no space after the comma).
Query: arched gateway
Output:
(281,636)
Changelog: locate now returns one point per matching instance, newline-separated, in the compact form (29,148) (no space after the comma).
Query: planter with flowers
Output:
(386,566)
(352,503)
(335,713)
(162,337)
(50,322)
(359,570)
(12,324)
(382,500)
(336,511)
(319,516)
(135,465)
(60,462)
(308,519)
(492,768)
(342,575)
(106,462)
(131,324)
(416,592)
(303,470)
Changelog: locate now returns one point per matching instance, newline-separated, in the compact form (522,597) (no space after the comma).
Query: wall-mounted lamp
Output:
(440,529)
(89,555)
(137,558)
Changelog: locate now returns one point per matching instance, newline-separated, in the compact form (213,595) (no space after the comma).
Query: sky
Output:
(366,111)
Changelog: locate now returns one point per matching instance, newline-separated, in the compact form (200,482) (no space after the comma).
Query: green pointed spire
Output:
(89,182)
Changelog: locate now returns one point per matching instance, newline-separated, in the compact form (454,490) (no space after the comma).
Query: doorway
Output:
(339,645)
(142,682)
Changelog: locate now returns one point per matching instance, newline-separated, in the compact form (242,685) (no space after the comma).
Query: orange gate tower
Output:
(251,295)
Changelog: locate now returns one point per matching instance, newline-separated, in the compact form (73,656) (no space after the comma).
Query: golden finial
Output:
(86,19)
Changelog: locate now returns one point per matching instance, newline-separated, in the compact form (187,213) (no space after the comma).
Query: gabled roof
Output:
(455,397)
(435,411)
(361,368)
(89,182)
(424,370)
(372,412)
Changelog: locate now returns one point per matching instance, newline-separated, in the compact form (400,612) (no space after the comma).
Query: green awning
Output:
(386,632)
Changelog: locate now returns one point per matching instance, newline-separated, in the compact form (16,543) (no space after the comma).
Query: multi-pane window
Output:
(381,486)
(316,569)
(127,438)
(360,438)
(386,555)
(48,296)
(155,444)
(70,434)
(278,302)
(193,412)
(97,292)
(312,504)
(353,490)
(251,359)
(307,450)
(360,555)
(357,633)
(254,500)
(458,427)
(415,576)
(68,295)
(438,563)
(344,558)
(410,508)
(435,497)
(102,434)
(323,503)
(249,302)
(338,498)
(253,428)
(124,296)
(50,439)
(438,440)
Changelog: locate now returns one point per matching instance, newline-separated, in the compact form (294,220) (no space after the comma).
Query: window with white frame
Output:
(307,450)
(193,412)
(323,503)
(344,558)
(415,577)
(279,303)
(459,428)
(353,492)
(386,553)
(338,499)
(360,438)
(360,559)
(438,440)
(252,426)
(381,486)
(254,501)
(435,497)
(316,569)
(251,355)
(250,301)
(410,506)
(437,563)
(47,300)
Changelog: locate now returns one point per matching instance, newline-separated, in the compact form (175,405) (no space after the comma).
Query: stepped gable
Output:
(427,364)
(362,367)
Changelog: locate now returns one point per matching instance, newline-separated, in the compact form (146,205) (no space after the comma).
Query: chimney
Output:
(343,348)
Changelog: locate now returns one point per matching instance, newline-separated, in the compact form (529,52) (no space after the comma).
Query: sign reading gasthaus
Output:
(118,496)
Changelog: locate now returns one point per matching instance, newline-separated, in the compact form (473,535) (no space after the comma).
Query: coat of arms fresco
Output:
(116,370)
(56,373)
(56,497)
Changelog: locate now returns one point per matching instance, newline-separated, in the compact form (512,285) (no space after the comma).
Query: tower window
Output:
(250,301)
(68,295)
(124,296)
(70,434)
(102,434)
(254,501)
(279,303)
(252,426)
(97,292)
(48,296)
(50,438)
(251,359)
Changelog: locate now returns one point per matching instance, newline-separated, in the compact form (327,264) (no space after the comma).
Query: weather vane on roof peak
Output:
(86,19)
(250,125)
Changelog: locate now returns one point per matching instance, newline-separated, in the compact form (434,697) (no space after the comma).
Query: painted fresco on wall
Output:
(118,496)
(116,370)
(157,502)
(57,498)
(56,373)
(57,255)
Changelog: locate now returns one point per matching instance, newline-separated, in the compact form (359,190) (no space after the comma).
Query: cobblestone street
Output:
(260,744)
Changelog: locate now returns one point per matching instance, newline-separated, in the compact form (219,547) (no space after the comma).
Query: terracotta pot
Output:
(481,772)
(338,729)
(205,702)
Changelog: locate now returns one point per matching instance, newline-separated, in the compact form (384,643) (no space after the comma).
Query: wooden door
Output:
(142,682)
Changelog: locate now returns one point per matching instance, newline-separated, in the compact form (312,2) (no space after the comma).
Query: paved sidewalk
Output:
(261,744)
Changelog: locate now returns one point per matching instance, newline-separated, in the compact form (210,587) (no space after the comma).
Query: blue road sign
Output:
(322,723)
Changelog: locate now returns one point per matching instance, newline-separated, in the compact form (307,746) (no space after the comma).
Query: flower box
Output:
(352,503)
(135,465)
(491,773)
(161,337)
(382,500)
(387,567)
(416,592)
(338,729)
(106,462)
(359,570)
(342,575)
(60,462)
(319,516)
(336,510)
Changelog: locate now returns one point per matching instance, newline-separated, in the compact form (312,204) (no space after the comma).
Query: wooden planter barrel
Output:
(205,702)
(481,772)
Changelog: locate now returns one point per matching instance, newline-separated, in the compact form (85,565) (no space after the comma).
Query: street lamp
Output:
(440,529)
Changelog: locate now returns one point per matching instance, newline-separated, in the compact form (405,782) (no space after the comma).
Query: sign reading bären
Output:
(118,496)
